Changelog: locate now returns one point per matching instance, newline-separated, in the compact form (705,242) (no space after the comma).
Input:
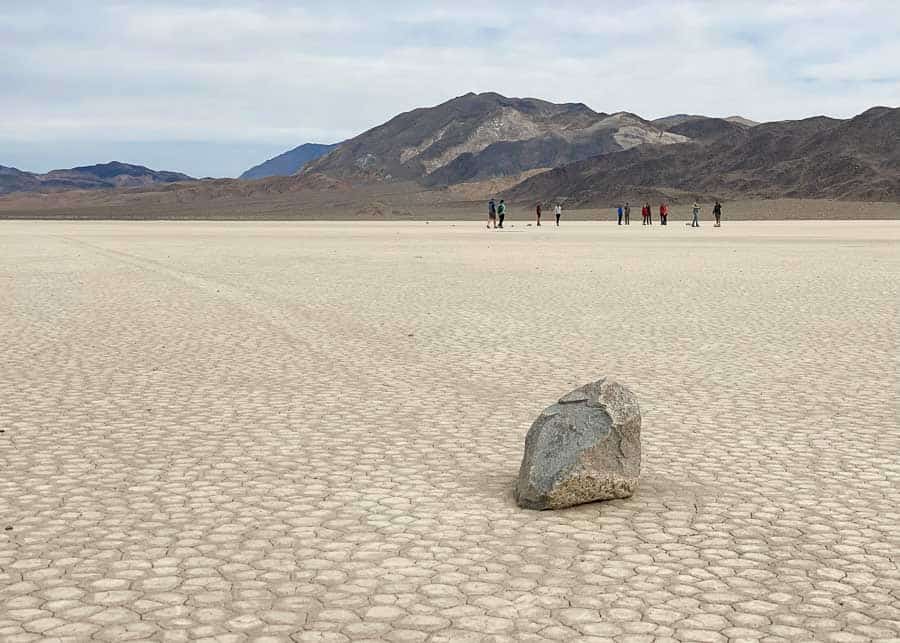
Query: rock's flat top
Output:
(314,429)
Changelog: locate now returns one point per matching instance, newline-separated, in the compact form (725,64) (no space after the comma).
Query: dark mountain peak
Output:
(811,122)
(878,110)
(877,115)
(111,169)
(88,177)
(707,128)
(289,162)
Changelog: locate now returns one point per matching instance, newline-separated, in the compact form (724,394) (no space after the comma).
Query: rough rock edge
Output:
(622,407)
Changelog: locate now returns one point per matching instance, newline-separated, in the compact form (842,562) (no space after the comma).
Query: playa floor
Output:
(311,431)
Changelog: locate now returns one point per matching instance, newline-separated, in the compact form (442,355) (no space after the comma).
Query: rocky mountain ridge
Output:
(480,136)
(88,177)
(818,157)
(479,145)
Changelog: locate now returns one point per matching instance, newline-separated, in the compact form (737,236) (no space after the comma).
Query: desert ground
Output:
(288,199)
(311,431)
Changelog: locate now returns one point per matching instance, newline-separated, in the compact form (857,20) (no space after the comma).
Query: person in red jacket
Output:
(644,214)
(663,213)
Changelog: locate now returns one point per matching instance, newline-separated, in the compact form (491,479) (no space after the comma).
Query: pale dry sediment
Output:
(312,431)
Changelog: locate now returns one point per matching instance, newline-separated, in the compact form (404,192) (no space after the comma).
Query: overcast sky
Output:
(212,88)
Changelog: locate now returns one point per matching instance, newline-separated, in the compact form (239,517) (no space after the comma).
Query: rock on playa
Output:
(586,447)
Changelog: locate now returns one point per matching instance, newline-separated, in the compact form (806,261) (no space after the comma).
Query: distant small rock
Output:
(584,448)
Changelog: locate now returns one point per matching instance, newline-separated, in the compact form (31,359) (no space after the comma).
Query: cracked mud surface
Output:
(311,432)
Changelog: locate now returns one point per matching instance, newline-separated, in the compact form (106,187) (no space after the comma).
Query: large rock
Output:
(586,447)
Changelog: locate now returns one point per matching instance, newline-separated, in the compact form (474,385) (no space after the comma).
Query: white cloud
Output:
(270,72)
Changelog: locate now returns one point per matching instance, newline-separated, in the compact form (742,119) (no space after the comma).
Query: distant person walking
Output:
(663,214)
(501,212)
(620,215)
(717,211)
(627,214)
(649,214)
(558,212)
(492,214)
(643,215)
(695,209)
(537,209)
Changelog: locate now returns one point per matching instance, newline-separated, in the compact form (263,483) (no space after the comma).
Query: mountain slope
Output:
(289,162)
(669,123)
(740,120)
(479,136)
(815,157)
(87,177)
(707,129)
(14,180)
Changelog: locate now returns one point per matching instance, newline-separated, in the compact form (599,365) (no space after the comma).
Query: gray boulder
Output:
(586,447)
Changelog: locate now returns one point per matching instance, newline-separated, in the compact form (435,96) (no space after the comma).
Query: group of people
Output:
(624,214)
(497,212)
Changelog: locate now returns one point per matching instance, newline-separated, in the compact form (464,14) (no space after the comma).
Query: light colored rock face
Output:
(506,124)
(584,448)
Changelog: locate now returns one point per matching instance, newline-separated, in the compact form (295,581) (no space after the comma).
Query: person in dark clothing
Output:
(620,215)
(717,211)
(627,214)
(501,212)
(492,213)
(538,211)
(558,211)
(649,214)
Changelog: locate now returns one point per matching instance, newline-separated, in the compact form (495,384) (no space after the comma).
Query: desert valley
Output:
(303,341)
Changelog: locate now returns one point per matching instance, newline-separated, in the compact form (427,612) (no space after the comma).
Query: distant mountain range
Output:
(570,151)
(88,177)
(524,148)
(288,163)
(819,157)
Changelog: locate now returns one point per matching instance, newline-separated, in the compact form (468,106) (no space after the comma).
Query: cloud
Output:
(272,73)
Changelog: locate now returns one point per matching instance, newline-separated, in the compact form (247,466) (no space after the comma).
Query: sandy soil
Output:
(284,198)
(311,430)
